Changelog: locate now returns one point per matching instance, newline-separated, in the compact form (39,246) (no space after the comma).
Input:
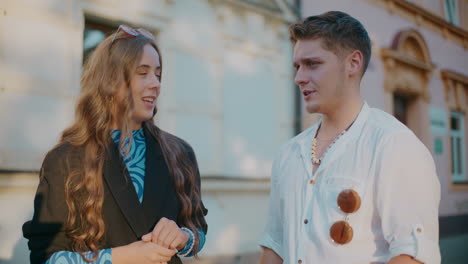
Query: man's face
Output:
(319,74)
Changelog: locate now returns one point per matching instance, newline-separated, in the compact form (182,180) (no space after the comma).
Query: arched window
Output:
(408,69)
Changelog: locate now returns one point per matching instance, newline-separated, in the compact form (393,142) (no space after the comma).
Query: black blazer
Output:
(126,220)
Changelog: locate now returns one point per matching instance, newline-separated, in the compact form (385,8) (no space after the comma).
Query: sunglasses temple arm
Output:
(115,35)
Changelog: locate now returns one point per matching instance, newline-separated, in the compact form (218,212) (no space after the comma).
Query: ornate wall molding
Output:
(408,58)
(272,9)
(455,90)
(422,17)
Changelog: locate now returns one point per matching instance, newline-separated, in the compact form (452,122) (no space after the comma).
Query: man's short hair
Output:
(339,32)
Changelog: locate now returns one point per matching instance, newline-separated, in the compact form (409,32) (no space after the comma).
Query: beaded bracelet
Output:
(192,238)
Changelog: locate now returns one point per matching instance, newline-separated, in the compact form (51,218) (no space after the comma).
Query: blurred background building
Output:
(228,90)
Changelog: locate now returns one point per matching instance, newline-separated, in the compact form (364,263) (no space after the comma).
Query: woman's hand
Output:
(143,253)
(167,233)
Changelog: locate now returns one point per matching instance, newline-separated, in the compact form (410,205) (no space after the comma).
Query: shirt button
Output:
(299,261)
(311,181)
(306,221)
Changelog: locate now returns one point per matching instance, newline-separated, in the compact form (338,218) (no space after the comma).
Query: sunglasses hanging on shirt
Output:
(349,202)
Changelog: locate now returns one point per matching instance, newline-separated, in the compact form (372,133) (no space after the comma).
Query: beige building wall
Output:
(227,90)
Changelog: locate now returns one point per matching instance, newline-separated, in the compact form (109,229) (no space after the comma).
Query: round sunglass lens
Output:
(349,201)
(146,33)
(129,30)
(341,232)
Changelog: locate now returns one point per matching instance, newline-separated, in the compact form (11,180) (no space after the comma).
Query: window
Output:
(457,144)
(94,34)
(464,14)
(400,108)
(451,12)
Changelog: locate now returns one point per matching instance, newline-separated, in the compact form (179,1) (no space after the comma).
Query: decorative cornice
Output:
(450,79)
(421,16)
(278,14)
(413,69)
(410,61)
(452,75)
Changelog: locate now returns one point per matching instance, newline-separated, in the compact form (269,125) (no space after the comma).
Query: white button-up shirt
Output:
(390,169)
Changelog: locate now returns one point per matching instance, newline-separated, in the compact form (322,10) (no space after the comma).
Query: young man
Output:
(358,186)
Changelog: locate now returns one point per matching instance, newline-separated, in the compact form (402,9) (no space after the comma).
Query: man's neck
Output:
(340,118)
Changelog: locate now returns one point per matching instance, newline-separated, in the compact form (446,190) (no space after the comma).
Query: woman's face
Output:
(145,86)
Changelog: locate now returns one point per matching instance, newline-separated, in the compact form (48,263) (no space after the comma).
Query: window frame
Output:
(106,28)
(454,18)
(401,113)
(454,135)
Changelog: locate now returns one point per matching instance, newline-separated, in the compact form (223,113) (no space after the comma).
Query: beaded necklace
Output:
(317,161)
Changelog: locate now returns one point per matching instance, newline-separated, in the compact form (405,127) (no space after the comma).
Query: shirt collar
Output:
(304,140)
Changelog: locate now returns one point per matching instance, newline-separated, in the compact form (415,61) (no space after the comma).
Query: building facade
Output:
(226,89)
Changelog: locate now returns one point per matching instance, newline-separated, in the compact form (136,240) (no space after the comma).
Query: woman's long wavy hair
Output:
(109,69)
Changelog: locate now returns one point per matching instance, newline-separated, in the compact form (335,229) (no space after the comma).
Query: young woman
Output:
(116,188)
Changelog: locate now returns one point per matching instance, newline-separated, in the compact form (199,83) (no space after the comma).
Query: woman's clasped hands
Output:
(158,246)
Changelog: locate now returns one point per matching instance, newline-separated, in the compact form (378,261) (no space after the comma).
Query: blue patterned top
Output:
(135,162)
(68,257)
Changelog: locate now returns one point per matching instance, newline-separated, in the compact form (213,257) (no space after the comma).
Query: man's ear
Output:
(354,63)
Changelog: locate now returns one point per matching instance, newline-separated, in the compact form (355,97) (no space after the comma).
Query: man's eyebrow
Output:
(305,59)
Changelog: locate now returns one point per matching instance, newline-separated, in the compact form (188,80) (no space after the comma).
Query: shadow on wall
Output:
(20,252)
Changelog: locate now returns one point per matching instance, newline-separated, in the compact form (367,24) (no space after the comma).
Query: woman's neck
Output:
(132,124)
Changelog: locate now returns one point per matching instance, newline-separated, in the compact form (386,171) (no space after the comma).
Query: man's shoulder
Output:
(385,124)
(391,132)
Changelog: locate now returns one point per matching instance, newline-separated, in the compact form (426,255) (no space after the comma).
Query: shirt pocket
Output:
(329,190)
